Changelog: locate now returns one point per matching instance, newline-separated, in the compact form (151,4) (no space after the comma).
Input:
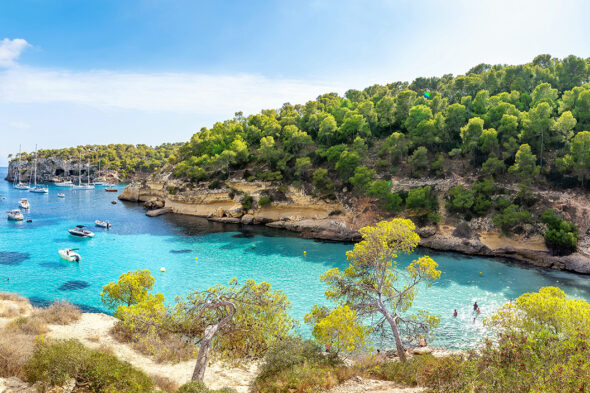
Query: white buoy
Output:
(162,269)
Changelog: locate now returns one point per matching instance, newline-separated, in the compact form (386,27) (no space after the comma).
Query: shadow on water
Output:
(184,251)
(73,285)
(53,265)
(13,258)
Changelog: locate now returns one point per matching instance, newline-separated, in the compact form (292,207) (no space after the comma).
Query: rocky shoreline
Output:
(292,209)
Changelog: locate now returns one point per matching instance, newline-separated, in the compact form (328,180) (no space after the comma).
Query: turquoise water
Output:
(28,257)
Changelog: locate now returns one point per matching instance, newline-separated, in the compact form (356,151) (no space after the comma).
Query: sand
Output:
(495,240)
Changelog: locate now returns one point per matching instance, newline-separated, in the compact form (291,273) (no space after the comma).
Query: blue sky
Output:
(145,71)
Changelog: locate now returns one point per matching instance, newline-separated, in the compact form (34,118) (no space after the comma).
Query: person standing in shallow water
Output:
(455,313)
(475,306)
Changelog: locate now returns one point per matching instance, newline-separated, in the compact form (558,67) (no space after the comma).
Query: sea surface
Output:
(197,254)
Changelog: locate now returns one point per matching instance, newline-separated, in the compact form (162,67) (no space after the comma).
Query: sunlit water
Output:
(29,259)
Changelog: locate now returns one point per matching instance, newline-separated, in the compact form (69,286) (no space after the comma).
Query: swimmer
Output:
(455,313)
(477,311)
(475,306)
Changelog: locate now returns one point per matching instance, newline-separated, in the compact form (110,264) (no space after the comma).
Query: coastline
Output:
(314,218)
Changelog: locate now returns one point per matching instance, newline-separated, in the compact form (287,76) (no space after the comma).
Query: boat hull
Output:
(71,256)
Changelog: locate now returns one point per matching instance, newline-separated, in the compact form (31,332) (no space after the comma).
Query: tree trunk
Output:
(401,352)
(203,356)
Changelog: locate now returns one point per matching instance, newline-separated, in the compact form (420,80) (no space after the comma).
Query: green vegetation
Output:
(53,363)
(126,159)
(561,236)
(369,287)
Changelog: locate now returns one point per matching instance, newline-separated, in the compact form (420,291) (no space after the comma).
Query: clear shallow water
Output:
(28,257)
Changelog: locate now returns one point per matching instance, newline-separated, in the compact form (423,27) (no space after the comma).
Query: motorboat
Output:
(15,215)
(67,183)
(111,189)
(21,186)
(61,195)
(69,255)
(102,224)
(35,188)
(24,203)
(79,231)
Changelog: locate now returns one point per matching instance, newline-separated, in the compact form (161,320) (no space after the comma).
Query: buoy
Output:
(162,269)
(480,273)
(253,246)
(304,252)
(196,258)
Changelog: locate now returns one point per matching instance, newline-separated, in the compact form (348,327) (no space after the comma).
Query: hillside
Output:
(493,162)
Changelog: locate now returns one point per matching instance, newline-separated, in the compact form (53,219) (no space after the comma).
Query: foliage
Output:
(200,387)
(339,330)
(53,363)
(264,201)
(561,236)
(322,182)
(131,288)
(362,178)
(511,217)
(421,200)
(246,202)
(373,285)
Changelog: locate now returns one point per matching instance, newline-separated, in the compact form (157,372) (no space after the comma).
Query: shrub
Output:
(434,217)
(362,178)
(421,200)
(59,313)
(561,236)
(200,387)
(15,348)
(322,182)
(53,363)
(381,189)
(269,176)
(215,184)
(460,199)
(27,325)
(510,217)
(264,201)
(410,372)
(246,202)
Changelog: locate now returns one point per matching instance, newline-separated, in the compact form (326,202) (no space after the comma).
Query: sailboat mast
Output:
(20,157)
(80,170)
(35,166)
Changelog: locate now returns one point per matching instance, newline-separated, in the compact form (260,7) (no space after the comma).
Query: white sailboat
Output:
(24,203)
(67,183)
(81,186)
(36,189)
(19,185)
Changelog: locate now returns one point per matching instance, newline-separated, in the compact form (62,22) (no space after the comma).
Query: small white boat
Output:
(83,187)
(79,231)
(21,186)
(39,190)
(102,224)
(67,183)
(24,203)
(69,255)
(15,215)
(61,195)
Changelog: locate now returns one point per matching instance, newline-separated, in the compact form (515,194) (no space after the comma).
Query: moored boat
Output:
(19,185)
(37,189)
(79,231)
(15,215)
(67,183)
(102,224)
(69,255)
(24,203)
(61,195)
(111,189)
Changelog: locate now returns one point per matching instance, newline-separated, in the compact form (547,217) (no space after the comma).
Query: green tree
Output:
(373,285)
(510,217)
(580,155)
(347,163)
(131,288)
(419,161)
(525,166)
(339,329)
(362,178)
(322,182)
(470,135)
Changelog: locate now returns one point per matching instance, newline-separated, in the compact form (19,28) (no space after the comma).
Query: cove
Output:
(225,251)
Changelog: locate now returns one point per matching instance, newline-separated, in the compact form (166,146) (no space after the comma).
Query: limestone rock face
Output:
(154,203)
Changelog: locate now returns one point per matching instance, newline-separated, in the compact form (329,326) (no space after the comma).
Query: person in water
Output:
(475,306)
(455,313)
(477,311)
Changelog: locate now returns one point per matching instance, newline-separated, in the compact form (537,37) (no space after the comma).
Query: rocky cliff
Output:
(293,209)
(51,170)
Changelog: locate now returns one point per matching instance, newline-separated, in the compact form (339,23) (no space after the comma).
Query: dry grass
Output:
(27,325)
(58,313)
(166,384)
(15,349)
(160,347)
(13,305)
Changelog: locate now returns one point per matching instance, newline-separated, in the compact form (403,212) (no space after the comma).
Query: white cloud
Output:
(10,50)
(156,92)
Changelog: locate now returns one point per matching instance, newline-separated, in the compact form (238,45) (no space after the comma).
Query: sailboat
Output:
(19,185)
(38,190)
(81,186)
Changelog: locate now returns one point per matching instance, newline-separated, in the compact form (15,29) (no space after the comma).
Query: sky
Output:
(152,71)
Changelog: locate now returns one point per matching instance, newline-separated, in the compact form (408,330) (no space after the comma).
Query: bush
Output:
(381,189)
(59,313)
(200,387)
(27,325)
(269,176)
(54,363)
(409,373)
(561,236)
(15,349)
(246,202)
(421,200)
(460,199)
(264,201)
(322,182)
(511,217)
